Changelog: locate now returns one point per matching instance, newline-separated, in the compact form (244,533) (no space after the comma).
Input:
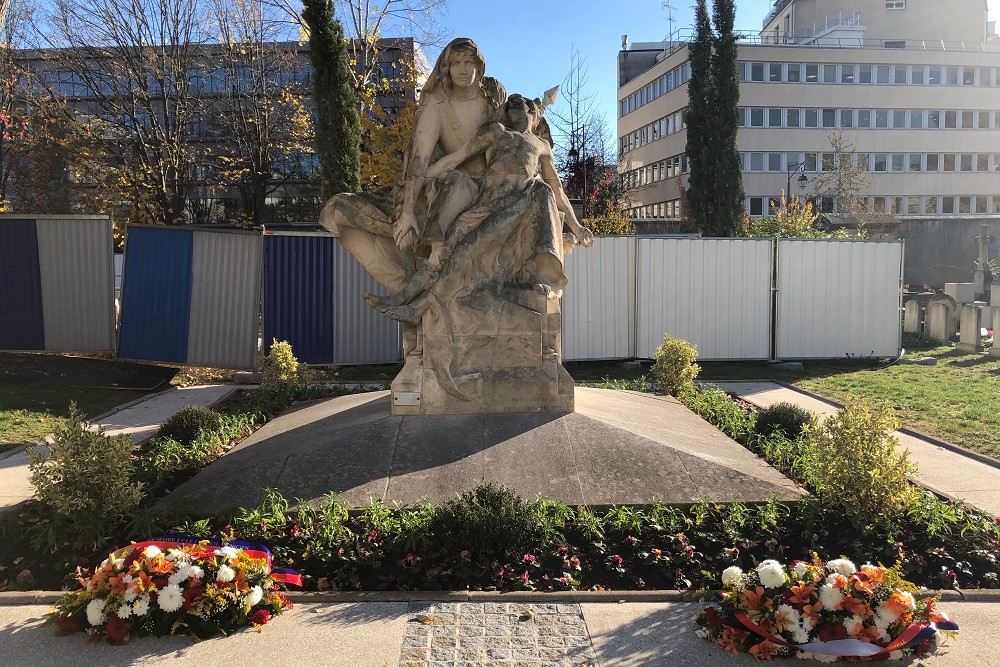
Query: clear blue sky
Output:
(527,44)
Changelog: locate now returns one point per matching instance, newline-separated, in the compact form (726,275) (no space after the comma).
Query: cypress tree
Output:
(729,197)
(699,119)
(338,127)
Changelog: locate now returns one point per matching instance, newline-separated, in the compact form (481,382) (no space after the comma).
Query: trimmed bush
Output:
(788,418)
(185,424)
(493,522)
(282,374)
(855,463)
(675,370)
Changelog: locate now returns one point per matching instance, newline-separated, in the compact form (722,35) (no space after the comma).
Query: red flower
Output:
(616,560)
(191,595)
(830,632)
(260,617)
(713,618)
(116,630)
(922,648)
(67,624)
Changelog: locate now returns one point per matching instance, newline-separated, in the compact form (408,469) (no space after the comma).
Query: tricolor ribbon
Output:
(251,549)
(854,648)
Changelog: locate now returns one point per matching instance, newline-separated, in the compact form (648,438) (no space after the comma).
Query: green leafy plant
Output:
(84,481)
(187,423)
(281,369)
(855,463)
(712,404)
(788,418)
(675,370)
(492,522)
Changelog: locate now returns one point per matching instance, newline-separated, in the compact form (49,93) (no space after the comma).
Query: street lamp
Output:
(802,180)
(573,154)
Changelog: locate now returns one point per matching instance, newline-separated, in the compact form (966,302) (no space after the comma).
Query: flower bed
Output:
(823,611)
(194,589)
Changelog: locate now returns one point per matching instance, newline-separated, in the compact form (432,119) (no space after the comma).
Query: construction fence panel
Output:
(838,298)
(313,299)
(598,305)
(713,293)
(56,283)
(191,296)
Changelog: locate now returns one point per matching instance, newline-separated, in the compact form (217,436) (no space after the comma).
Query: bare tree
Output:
(262,108)
(128,63)
(843,181)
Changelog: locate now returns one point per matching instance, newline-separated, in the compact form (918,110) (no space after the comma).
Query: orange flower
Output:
(862,585)
(856,606)
(854,628)
(731,640)
(869,635)
(802,593)
(754,600)
(838,581)
(811,611)
(899,602)
(763,650)
(875,575)
(159,565)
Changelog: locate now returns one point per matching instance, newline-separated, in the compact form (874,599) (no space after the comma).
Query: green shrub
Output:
(855,464)
(282,374)
(185,424)
(85,481)
(675,370)
(714,406)
(492,522)
(788,418)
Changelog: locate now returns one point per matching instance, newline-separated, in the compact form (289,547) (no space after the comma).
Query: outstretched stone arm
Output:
(551,177)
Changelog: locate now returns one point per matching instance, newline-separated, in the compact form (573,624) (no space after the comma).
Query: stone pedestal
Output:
(961,292)
(995,295)
(940,322)
(968,332)
(911,317)
(488,355)
(995,350)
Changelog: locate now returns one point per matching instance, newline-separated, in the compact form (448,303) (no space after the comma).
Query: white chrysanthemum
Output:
(228,552)
(255,595)
(884,617)
(801,568)
(836,577)
(911,603)
(170,598)
(225,574)
(95,612)
(701,633)
(196,573)
(896,655)
(841,566)
(830,597)
(119,563)
(732,576)
(152,551)
(789,612)
(807,624)
(821,657)
(798,634)
(181,575)
(771,573)
(130,594)
(124,611)
(851,624)
(176,554)
(141,607)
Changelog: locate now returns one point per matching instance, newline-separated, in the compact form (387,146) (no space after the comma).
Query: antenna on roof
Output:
(670,20)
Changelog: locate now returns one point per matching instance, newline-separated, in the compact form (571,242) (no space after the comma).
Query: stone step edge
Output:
(12,598)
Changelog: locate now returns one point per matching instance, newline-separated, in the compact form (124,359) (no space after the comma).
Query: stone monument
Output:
(470,243)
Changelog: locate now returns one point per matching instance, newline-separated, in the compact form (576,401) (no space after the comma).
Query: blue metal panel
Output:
(22,324)
(298,295)
(156,295)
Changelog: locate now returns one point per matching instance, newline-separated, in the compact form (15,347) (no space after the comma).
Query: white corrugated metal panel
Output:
(598,305)
(225,299)
(361,335)
(713,293)
(77,275)
(838,298)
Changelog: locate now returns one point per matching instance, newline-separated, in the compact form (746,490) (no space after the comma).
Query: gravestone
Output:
(968,333)
(995,295)
(961,292)
(982,262)
(995,350)
(952,308)
(940,322)
(911,317)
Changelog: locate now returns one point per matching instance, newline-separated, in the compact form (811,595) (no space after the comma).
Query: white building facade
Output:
(913,85)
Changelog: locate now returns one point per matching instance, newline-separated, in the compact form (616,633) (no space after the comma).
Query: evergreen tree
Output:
(338,127)
(700,116)
(728,174)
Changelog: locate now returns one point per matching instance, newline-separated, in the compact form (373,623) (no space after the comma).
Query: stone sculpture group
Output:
(470,243)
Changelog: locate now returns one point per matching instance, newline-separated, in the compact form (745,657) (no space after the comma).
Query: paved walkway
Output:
(466,634)
(942,470)
(141,420)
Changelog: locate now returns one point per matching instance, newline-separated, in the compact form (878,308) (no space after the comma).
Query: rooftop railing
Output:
(778,6)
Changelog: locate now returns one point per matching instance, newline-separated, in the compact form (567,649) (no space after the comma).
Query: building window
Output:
(864,117)
(965,162)
(774,117)
(913,205)
(756,117)
(983,120)
(829,117)
(793,72)
(829,74)
(756,162)
(947,205)
(983,162)
(915,161)
(897,161)
(934,76)
(880,162)
(917,75)
(774,161)
(965,204)
(756,206)
(899,74)
(774,72)
(916,119)
(812,73)
(951,76)
(791,117)
(756,71)
(949,162)
(933,119)
(968,76)
(895,4)
(882,74)
(930,205)
(982,204)
(847,74)
(865,74)
(881,118)
(898,118)
(812,118)
(950,119)
(810,160)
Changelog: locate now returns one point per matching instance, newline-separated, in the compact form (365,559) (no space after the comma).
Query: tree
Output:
(728,175)
(338,128)
(386,139)
(261,109)
(700,193)
(129,61)
(844,180)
